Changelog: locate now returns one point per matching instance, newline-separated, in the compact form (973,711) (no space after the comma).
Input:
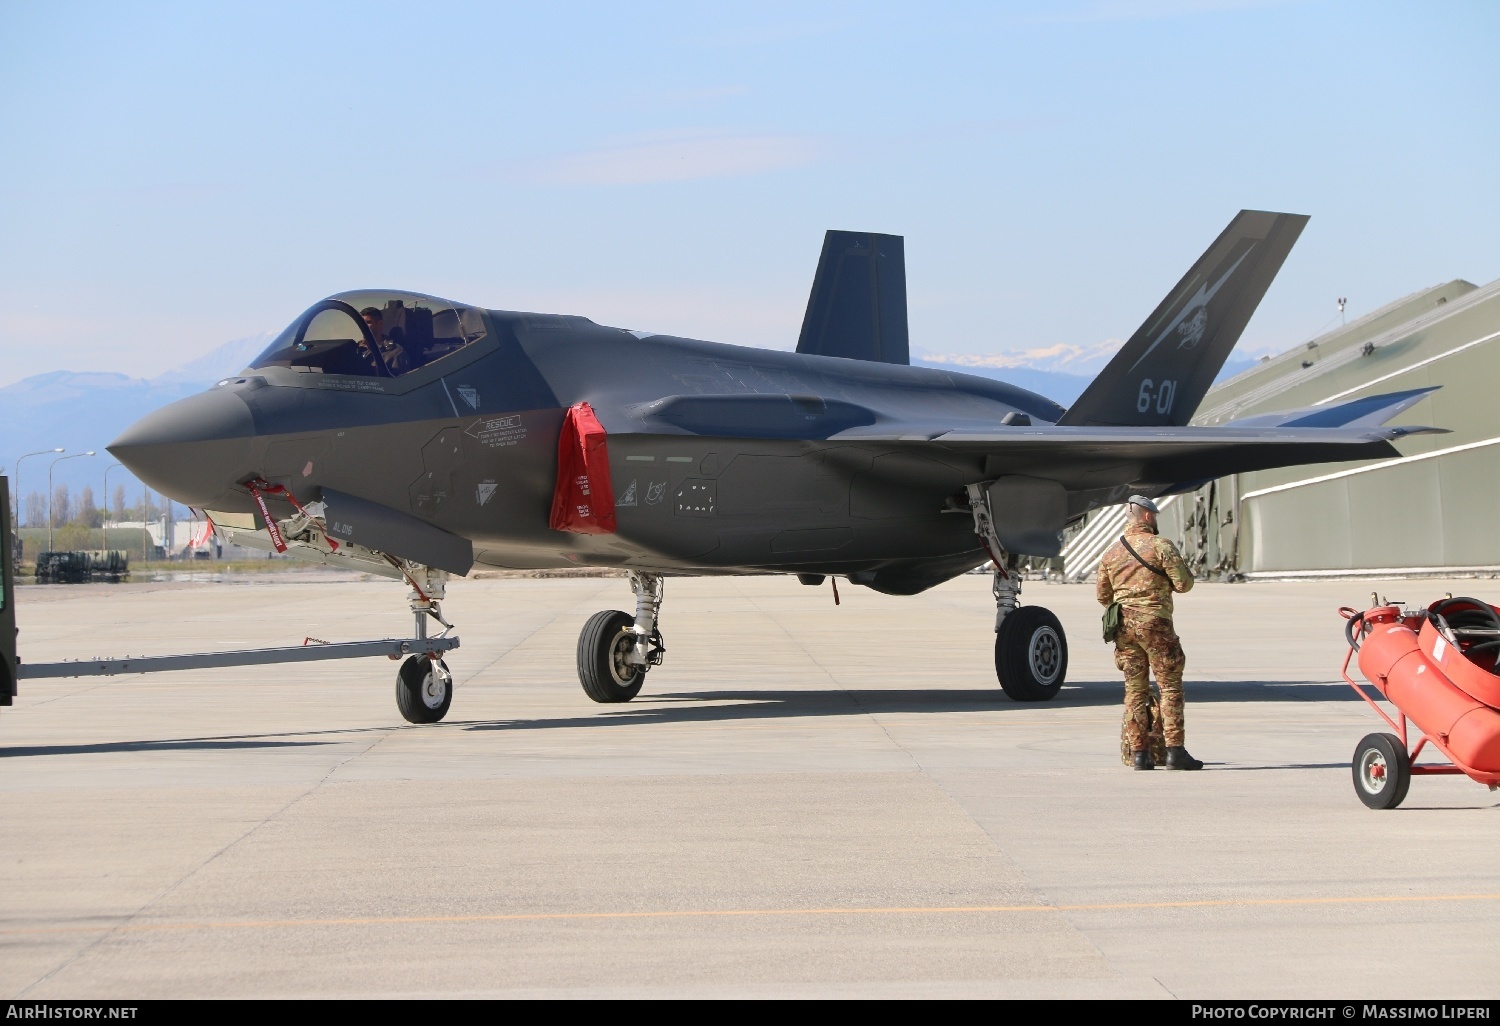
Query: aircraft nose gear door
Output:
(1031,650)
(615,650)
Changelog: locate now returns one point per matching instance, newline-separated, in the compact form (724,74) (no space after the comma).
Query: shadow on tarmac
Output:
(688,707)
(190,744)
(1219,767)
(755,704)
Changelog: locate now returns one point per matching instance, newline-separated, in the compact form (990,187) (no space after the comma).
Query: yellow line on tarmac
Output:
(514,917)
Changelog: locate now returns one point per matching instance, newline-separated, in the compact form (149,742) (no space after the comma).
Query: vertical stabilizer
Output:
(1162,373)
(857,308)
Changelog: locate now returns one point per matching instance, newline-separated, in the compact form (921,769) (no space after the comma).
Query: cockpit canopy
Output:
(374,334)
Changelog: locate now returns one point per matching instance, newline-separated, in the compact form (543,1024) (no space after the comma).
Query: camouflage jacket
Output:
(1122,579)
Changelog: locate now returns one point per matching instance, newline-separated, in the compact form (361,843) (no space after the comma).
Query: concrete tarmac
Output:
(806,800)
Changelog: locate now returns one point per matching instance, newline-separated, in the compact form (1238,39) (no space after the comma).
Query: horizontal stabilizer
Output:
(857,307)
(1370,411)
(1161,374)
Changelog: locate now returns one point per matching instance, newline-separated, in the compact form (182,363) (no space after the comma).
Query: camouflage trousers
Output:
(1148,644)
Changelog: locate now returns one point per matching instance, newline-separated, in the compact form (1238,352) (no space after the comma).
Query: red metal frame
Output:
(1455,767)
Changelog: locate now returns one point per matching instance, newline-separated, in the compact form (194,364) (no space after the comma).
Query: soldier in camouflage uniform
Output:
(1142,582)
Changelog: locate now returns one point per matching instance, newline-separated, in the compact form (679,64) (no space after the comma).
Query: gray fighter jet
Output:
(423,437)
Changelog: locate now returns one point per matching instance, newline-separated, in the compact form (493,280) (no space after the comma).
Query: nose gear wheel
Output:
(424,689)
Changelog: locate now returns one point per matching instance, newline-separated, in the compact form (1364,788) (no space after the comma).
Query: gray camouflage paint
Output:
(726,459)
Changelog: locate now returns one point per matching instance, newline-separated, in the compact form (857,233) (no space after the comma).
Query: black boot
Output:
(1178,758)
(1143,760)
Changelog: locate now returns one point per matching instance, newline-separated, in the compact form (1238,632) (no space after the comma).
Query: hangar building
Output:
(1433,510)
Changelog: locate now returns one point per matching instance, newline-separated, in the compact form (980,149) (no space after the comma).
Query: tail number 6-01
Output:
(1161,395)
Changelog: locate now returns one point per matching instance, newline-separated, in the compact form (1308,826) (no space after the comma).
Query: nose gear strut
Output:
(424,685)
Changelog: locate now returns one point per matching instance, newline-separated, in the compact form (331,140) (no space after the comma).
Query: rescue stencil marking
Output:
(497,432)
(485,492)
(628,499)
(469,394)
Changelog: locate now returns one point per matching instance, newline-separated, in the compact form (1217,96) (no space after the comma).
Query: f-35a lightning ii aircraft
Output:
(402,432)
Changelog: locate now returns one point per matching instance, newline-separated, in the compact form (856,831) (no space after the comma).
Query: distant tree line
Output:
(75,518)
(83,511)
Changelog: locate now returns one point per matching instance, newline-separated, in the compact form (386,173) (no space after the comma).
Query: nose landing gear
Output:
(424,686)
(615,650)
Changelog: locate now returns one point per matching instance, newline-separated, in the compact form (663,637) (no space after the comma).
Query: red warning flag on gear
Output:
(584,500)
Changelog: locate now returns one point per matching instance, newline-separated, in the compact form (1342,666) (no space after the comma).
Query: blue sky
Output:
(179,175)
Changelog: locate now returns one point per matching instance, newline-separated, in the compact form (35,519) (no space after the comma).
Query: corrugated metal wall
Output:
(1435,508)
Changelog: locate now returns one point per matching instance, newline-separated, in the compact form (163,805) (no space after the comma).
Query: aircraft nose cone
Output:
(193,450)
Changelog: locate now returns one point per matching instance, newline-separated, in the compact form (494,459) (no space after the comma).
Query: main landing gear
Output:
(615,649)
(424,687)
(1031,650)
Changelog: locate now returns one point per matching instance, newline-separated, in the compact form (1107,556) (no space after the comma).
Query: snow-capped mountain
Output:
(1059,372)
(83,410)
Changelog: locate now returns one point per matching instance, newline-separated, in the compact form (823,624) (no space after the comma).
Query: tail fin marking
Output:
(1154,383)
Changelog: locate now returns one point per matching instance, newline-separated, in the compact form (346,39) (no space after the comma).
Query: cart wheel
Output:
(1382,771)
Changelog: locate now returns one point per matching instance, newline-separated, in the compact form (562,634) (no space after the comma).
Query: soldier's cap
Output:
(1143,502)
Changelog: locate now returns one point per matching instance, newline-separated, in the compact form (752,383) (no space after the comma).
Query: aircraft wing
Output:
(1323,434)
(1077,456)
(1073,456)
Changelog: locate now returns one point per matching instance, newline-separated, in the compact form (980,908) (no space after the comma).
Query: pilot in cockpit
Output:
(391,351)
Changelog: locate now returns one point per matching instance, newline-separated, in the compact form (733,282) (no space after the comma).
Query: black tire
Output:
(605,676)
(422,695)
(1381,771)
(1031,654)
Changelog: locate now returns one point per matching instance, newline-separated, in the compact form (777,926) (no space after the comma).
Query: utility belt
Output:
(1116,613)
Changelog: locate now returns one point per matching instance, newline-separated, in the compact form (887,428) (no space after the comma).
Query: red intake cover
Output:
(584,500)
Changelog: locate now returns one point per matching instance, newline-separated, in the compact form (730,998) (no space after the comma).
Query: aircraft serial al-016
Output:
(421,438)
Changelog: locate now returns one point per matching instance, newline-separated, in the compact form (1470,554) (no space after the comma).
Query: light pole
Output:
(103,537)
(76,455)
(145,523)
(39,452)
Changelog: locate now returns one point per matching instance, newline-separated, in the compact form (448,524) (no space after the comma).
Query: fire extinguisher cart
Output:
(1437,667)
